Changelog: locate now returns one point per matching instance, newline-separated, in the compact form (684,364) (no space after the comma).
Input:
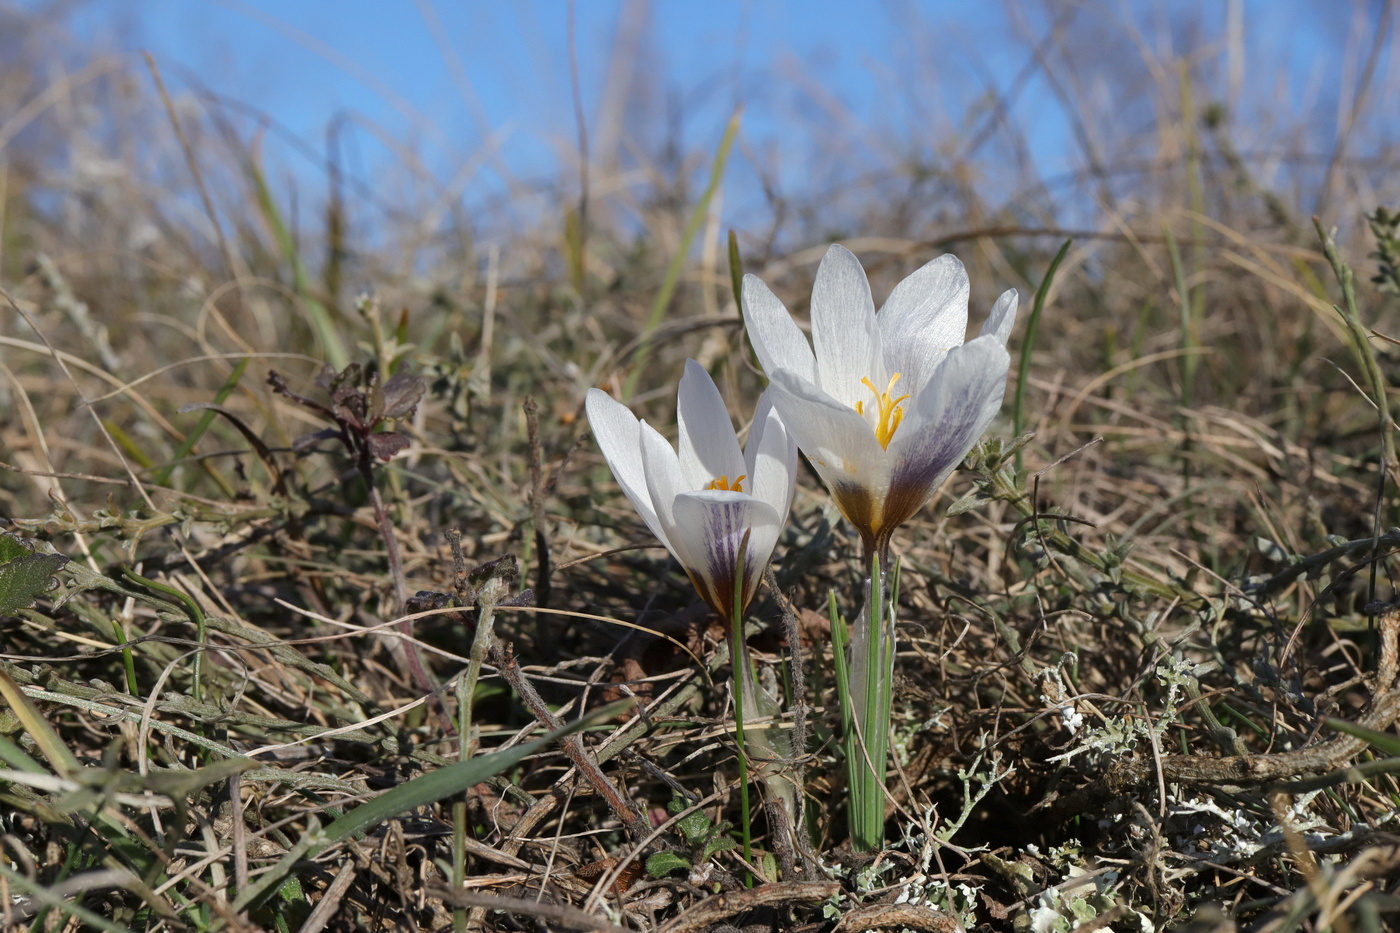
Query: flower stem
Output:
(739,661)
(868,730)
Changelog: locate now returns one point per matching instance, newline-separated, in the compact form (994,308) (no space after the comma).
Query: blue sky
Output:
(453,75)
(860,83)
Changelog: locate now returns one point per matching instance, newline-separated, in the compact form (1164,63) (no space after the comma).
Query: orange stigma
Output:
(723,483)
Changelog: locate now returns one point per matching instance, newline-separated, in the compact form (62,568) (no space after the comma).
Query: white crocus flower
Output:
(703,502)
(889,403)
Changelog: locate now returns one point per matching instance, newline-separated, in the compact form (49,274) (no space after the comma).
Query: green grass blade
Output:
(736,271)
(326,330)
(1018,406)
(449,780)
(673,272)
(840,641)
(431,787)
(1383,740)
(419,792)
(127,444)
(1187,322)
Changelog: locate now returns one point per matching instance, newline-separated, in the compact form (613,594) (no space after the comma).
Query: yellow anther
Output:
(723,483)
(891,412)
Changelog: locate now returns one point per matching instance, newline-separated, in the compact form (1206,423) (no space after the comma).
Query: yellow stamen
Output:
(723,483)
(891,412)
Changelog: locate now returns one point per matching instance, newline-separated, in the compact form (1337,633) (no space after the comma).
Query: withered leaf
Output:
(426,600)
(402,393)
(385,446)
(24,575)
(595,870)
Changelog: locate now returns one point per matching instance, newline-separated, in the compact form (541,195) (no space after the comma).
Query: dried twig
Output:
(712,910)
(504,661)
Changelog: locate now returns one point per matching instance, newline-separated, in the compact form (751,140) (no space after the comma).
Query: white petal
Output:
(664,483)
(925,316)
(777,340)
(844,333)
(771,458)
(713,525)
(708,448)
(840,444)
(1003,317)
(959,402)
(619,437)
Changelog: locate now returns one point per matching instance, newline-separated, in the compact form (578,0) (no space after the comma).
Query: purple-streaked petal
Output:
(708,449)
(777,340)
(844,333)
(771,458)
(840,444)
(663,482)
(711,526)
(925,316)
(959,402)
(618,434)
(1003,317)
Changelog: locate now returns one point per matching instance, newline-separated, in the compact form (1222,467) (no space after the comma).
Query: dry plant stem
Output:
(798,818)
(239,841)
(485,639)
(713,910)
(487,599)
(329,903)
(574,748)
(766,743)
(799,679)
(1354,549)
(1366,356)
(781,838)
(1356,774)
(411,656)
(619,742)
(898,916)
(391,542)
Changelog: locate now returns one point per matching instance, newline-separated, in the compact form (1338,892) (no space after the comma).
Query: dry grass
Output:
(1115,675)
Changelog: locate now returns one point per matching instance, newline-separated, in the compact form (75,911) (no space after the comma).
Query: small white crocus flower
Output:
(703,502)
(889,403)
